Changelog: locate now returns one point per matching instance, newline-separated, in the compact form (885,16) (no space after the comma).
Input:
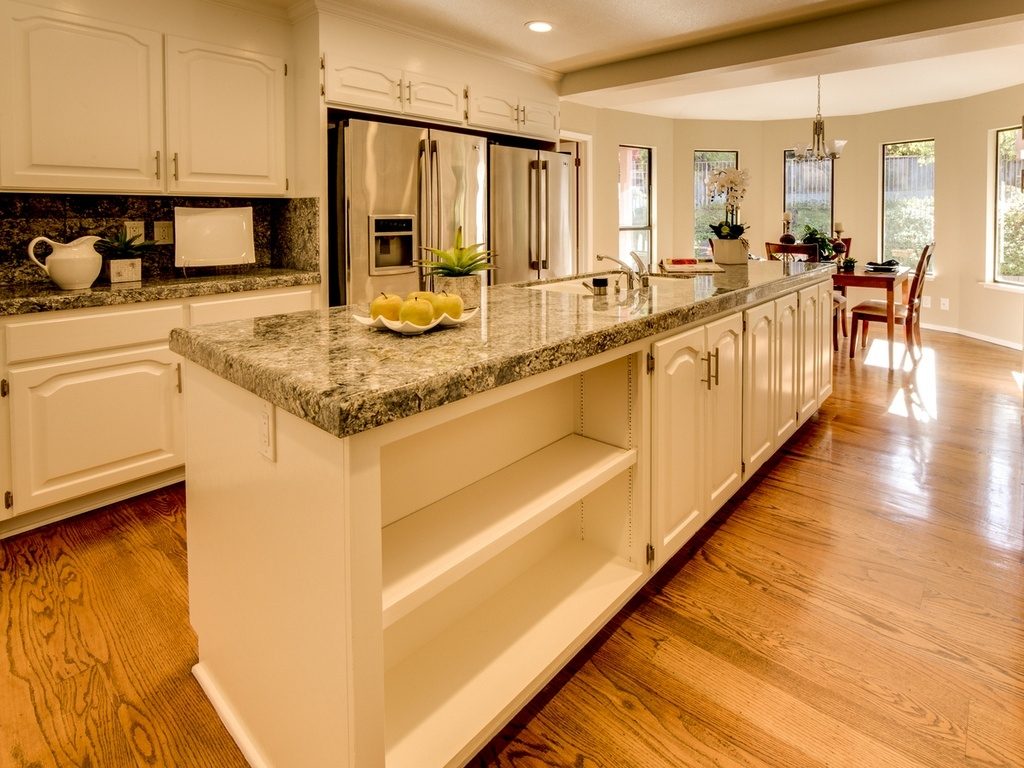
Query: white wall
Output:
(963,132)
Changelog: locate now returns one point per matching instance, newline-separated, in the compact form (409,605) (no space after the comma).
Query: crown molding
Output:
(266,8)
(340,9)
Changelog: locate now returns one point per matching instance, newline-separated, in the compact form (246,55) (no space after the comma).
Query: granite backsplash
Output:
(285,231)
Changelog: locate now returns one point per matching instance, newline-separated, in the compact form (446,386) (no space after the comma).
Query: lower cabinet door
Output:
(826,312)
(725,411)
(84,424)
(787,375)
(810,352)
(678,441)
(759,384)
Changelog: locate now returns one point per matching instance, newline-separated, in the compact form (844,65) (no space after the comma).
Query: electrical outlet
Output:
(268,432)
(926,302)
(163,232)
(135,229)
(125,270)
(943,303)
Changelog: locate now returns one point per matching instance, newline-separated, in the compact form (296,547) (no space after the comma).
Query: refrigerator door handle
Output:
(533,207)
(435,178)
(424,222)
(542,214)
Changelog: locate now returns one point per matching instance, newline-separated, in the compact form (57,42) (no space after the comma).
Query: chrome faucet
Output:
(626,270)
(642,270)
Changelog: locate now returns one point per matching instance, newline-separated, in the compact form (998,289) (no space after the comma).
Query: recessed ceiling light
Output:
(538,26)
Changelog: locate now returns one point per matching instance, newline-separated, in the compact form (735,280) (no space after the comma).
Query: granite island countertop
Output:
(26,298)
(343,377)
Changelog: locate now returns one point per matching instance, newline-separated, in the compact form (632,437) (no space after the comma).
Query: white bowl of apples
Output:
(419,312)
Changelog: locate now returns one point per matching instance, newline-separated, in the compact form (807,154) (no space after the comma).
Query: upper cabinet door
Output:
(430,97)
(225,119)
(81,103)
(493,110)
(539,118)
(364,85)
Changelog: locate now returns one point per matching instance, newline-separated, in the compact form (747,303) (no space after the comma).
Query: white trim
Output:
(1005,287)
(338,8)
(972,335)
(235,728)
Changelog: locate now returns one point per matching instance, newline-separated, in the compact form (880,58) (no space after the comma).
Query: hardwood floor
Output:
(860,604)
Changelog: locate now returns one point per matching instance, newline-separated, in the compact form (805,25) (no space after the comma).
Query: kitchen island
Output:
(394,542)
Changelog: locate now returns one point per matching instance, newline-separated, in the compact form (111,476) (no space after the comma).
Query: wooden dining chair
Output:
(908,315)
(789,252)
(841,291)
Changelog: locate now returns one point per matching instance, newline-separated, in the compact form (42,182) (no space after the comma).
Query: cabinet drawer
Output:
(68,335)
(241,308)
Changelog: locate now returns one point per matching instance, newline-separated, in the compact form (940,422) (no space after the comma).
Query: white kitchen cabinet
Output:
(808,319)
(391,89)
(90,400)
(696,429)
(760,383)
(225,119)
(81,103)
(824,337)
(787,369)
(224,109)
(511,113)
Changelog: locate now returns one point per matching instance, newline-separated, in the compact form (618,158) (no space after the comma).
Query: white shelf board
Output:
(429,550)
(448,695)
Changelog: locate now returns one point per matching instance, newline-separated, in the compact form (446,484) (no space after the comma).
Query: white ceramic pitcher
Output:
(71,265)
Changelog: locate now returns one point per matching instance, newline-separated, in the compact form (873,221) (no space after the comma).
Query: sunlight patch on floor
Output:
(917,398)
(1019,378)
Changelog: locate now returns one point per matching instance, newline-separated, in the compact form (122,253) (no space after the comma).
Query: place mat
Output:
(700,266)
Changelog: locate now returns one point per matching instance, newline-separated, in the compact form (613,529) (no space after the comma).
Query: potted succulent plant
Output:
(459,269)
(120,246)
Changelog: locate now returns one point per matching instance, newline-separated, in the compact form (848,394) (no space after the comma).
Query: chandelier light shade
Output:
(819,148)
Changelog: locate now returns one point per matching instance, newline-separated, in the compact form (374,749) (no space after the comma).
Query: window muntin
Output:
(635,195)
(808,193)
(908,200)
(708,210)
(1009,208)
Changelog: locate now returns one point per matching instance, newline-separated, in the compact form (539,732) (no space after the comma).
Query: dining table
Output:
(862,277)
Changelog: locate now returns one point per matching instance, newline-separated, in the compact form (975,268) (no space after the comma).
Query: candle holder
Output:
(786,237)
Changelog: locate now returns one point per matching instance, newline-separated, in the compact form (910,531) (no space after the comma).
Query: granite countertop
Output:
(343,377)
(25,298)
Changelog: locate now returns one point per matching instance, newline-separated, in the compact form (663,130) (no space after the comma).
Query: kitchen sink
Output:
(577,285)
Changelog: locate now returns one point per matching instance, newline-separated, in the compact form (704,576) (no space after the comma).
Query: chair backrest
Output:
(847,241)
(917,285)
(789,251)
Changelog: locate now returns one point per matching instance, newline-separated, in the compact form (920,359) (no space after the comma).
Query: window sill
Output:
(1004,287)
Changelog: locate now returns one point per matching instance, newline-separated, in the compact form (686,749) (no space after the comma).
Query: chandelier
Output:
(818,149)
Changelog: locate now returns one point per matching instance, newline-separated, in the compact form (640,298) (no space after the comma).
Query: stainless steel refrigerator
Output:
(398,188)
(531,231)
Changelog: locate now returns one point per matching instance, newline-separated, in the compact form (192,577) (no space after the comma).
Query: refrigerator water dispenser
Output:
(392,244)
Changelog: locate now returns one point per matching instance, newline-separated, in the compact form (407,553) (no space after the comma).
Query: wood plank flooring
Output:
(860,604)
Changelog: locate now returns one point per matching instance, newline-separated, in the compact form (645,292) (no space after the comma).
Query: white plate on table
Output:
(212,237)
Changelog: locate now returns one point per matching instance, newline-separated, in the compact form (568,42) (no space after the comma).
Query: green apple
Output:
(447,304)
(428,295)
(386,305)
(417,311)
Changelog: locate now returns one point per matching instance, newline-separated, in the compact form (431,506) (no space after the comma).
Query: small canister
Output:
(600,286)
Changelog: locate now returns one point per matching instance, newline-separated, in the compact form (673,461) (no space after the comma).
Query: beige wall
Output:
(963,133)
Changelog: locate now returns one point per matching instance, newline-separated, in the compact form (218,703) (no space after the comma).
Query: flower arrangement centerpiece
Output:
(732,184)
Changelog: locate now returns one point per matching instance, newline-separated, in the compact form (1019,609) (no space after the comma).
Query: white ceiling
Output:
(856,79)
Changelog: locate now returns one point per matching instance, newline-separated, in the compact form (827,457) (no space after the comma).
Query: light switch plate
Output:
(125,270)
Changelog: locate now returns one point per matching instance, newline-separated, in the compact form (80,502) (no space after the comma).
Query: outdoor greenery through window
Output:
(635,228)
(1009,240)
(808,194)
(707,211)
(908,200)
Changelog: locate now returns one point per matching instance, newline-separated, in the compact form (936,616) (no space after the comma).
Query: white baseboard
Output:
(970,335)
(40,517)
(227,715)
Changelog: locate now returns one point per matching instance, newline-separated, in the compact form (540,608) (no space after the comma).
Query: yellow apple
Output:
(420,295)
(417,311)
(386,305)
(447,304)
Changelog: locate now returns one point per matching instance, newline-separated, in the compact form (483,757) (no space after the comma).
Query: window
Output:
(707,211)
(635,230)
(1009,252)
(908,200)
(808,194)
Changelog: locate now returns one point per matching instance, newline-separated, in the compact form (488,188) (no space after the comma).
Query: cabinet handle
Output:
(175,166)
(158,165)
(706,359)
(179,378)
(715,353)
(408,93)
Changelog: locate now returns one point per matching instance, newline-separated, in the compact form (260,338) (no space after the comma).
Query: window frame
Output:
(831,189)
(734,152)
(1014,285)
(649,228)
(881,223)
